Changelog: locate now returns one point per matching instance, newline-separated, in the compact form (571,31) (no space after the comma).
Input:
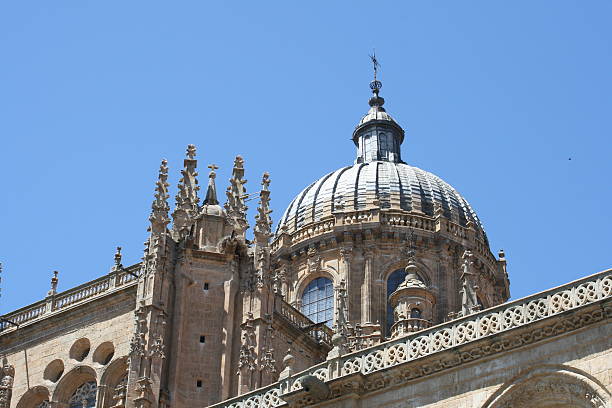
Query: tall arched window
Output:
(84,396)
(318,301)
(393,282)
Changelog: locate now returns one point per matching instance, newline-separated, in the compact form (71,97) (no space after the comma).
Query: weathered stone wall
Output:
(200,343)
(580,357)
(89,342)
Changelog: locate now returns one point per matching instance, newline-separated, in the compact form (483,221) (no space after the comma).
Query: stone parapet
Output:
(103,286)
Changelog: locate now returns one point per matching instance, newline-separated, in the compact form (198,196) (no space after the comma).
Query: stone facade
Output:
(378,289)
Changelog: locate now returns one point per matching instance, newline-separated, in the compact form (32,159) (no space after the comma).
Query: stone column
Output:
(345,273)
(366,288)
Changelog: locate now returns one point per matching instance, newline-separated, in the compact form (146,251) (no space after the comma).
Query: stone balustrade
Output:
(75,296)
(408,220)
(442,226)
(318,332)
(407,326)
(471,328)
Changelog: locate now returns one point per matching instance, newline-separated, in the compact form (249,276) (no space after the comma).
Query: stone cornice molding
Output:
(505,327)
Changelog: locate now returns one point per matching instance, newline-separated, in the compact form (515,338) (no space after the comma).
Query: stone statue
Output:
(469,301)
(7,376)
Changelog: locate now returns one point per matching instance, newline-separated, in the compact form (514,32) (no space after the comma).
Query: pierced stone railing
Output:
(80,294)
(481,325)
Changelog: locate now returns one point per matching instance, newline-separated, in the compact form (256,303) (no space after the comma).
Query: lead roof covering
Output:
(396,186)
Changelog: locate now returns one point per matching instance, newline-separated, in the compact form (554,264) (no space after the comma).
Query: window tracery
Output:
(84,396)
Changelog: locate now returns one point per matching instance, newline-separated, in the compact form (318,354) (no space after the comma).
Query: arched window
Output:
(84,396)
(393,282)
(415,313)
(318,301)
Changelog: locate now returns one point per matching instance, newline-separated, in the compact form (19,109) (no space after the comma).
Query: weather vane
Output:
(375,85)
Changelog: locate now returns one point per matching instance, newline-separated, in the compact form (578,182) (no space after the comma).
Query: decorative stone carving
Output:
(84,396)
(546,391)
(54,282)
(159,209)
(289,366)
(263,224)
(469,301)
(138,342)
(267,361)
(187,197)
(248,356)
(211,190)
(412,304)
(7,377)
(236,195)
(120,393)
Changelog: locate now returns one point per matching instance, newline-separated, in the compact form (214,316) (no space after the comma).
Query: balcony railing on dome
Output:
(467,329)
(319,332)
(71,297)
(407,326)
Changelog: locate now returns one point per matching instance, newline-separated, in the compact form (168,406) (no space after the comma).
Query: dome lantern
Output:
(378,136)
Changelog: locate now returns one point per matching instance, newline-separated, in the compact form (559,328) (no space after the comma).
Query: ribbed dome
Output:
(384,184)
(376,113)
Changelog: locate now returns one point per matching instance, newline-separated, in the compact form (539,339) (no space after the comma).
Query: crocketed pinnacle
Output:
(211,191)
(263,224)
(187,197)
(236,195)
(159,209)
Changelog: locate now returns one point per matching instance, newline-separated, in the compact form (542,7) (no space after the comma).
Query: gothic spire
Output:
(263,224)
(211,191)
(236,195)
(187,197)
(159,209)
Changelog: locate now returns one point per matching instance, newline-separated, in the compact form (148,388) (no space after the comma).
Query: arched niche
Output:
(71,381)
(34,397)
(114,375)
(393,277)
(551,386)
(104,353)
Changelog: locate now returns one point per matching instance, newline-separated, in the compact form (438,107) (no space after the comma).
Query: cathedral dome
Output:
(378,180)
(383,184)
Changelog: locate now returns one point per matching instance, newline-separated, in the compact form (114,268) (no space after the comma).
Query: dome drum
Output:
(360,223)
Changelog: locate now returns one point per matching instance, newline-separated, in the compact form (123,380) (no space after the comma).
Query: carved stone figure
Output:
(7,377)
(469,300)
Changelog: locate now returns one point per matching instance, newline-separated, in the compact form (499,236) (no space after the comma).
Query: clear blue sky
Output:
(495,98)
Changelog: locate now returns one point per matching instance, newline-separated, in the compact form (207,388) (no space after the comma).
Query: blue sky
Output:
(495,98)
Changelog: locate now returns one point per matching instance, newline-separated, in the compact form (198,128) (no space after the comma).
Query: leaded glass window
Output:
(318,301)
(84,396)
(44,404)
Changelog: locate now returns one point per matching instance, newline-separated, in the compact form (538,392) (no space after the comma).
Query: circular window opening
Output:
(104,353)
(54,370)
(80,349)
